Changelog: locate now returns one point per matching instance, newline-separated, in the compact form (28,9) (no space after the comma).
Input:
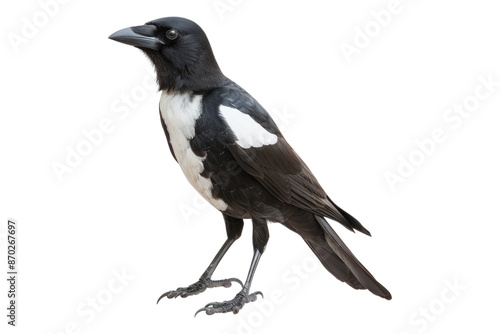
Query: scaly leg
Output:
(234,226)
(260,238)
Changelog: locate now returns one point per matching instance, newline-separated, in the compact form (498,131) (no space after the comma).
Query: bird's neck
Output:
(199,78)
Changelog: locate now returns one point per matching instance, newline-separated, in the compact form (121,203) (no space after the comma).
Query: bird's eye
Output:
(172,34)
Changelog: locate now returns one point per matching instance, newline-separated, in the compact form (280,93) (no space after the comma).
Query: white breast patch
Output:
(249,133)
(180,112)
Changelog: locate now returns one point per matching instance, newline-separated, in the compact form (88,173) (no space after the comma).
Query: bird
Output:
(233,153)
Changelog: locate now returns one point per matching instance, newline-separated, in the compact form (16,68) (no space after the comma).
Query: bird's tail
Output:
(341,262)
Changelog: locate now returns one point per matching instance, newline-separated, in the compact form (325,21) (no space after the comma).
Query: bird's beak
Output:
(140,36)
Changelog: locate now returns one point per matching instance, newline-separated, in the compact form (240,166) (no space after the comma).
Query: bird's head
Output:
(180,52)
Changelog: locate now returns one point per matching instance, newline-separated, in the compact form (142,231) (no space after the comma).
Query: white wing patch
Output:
(248,132)
(180,112)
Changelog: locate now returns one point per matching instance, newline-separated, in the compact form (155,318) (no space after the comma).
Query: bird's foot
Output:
(234,305)
(199,287)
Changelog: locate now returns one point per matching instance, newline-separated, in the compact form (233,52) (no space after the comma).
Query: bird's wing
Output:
(262,151)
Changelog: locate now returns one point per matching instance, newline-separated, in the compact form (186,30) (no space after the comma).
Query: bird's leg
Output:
(260,238)
(234,226)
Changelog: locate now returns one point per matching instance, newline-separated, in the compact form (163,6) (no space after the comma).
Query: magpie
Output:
(231,151)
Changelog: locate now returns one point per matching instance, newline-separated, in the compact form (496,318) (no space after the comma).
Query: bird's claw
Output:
(199,287)
(234,305)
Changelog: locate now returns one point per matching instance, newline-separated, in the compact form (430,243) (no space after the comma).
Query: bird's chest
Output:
(179,112)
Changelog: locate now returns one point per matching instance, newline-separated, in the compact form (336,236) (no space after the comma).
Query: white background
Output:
(127,207)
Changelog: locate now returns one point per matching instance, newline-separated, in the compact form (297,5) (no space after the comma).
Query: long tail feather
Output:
(343,253)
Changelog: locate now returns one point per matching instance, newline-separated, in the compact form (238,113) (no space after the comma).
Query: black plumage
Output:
(246,174)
